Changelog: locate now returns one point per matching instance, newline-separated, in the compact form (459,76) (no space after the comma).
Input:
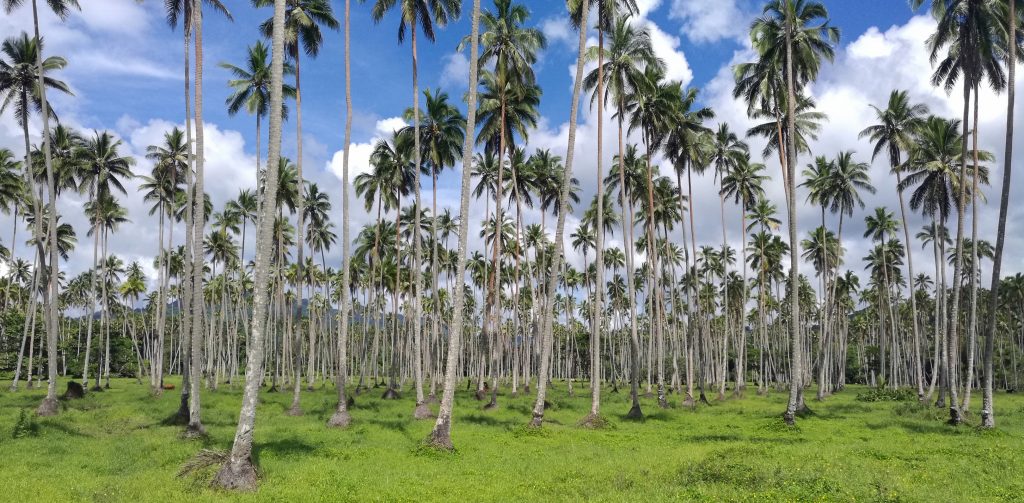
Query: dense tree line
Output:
(411,306)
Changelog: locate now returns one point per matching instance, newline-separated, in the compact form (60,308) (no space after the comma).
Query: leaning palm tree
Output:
(970,32)
(418,15)
(238,472)
(302,30)
(27,65)
(61,8)
(440,436)
(893,134)
(988,415)
(556,259)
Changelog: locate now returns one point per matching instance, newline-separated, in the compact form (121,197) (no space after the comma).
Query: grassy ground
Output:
(112,446)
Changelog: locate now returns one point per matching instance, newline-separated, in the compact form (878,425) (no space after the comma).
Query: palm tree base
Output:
(194,430)
(340,419)
(689,402)
(422,412)
(48,407)
(593,421)
(236,477)
(635,413)
(440,438)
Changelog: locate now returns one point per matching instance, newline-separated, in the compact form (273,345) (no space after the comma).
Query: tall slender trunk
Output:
(626,202)
(796,334)
(238,472)
(340,418)
(556,261)
(195,424)
(300,217)
(972,321)
(440,436)
(48,407)
(421,411)
(988,414)
(953,342)
(598,310)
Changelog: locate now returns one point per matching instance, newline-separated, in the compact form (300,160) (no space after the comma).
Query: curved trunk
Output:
(556,261)
(988,415)
(238,472)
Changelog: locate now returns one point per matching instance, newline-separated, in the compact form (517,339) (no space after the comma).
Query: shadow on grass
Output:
(63,428)
(727,437)
(286,447)
(486,420)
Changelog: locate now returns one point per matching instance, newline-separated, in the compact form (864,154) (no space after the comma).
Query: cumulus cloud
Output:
(705,21)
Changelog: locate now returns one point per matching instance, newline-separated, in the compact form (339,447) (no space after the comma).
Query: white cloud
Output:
(387,126)
(711,20)
(456,70)
(558,31)
(666,47)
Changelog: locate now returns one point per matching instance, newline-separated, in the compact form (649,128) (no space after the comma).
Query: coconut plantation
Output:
(510,250)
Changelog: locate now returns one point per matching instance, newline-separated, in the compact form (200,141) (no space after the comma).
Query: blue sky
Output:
(381,66)
(125,69)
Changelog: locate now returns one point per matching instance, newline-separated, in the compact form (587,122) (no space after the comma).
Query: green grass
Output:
(112,446)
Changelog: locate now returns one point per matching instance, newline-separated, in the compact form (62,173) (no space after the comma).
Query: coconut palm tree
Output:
(893,135)
(162,188)
(793,35)
(970,32)
(189,12)
(302,32)
(743,184)
(251,88)
(608,11)
(61,8)
(442,133)
(101,169)
(619,67)
(988,417)
(340,418)
(418,15)
(563,201)
(238,472)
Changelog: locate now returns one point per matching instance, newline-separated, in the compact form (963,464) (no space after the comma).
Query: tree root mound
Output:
(340,419)
(422,411)
(48,407)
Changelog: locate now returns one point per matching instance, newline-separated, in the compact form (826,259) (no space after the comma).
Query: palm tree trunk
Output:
(952,343)
(598,309)
(421,411)
(440,436)
(972,323)
(300,209)
(341,418)
(988,415)
(796,334)
(556,261)
(238,472)
(918,371)
(195,424)
(48,407)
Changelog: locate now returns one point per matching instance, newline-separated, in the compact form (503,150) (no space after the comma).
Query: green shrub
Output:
(883,394)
